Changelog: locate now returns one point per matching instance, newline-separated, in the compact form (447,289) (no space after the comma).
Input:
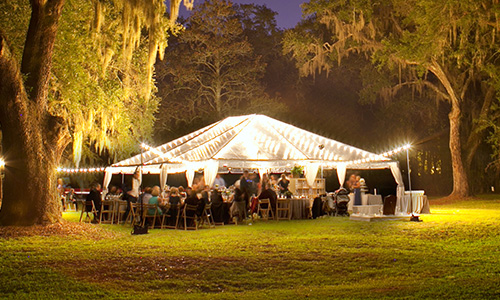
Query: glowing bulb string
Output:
(379,156)
(80,170)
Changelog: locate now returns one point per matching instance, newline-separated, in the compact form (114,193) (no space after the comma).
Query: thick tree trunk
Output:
(460,180)
(33,140)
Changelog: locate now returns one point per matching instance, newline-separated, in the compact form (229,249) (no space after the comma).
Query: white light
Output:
(59,169)
(2,163)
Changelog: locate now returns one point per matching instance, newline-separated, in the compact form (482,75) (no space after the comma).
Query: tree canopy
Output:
(211,70)
(452,58)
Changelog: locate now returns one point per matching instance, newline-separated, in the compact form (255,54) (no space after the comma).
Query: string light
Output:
(381,156)
(80,170)
(2,163)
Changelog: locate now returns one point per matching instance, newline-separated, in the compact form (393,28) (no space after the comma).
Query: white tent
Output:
(252,142)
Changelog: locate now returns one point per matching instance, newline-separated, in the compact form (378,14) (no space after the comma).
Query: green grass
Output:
(454,254)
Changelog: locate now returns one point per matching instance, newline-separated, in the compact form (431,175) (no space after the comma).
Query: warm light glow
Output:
(2,163)
(80,170)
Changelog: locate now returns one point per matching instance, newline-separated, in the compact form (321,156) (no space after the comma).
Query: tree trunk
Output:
(33,140)
(460,180)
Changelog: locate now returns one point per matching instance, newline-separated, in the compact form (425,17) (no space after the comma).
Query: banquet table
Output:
(299,208)
(419,204)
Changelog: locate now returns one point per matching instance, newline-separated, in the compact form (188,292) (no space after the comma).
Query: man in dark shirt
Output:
(245,187)
(95,196)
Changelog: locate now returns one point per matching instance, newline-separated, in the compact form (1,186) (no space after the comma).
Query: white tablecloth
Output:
(419,204)
(366,199)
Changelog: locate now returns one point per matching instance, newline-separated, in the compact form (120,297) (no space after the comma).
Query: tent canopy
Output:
(254,141)
(251,142)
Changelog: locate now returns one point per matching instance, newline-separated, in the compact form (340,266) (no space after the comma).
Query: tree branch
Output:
(37,56)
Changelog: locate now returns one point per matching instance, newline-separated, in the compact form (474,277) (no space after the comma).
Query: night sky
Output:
(289,11)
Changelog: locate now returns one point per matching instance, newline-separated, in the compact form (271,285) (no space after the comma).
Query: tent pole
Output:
(409,177)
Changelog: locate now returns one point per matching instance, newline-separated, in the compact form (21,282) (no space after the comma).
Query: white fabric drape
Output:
(400,190)
(311,170)
(210,172)
(163,176)
(341,170)
(263,171)
(107,179)
(190,175)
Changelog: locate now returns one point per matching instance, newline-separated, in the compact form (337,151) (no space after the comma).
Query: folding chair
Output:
(207,216)
(133,213)
(108,208)
(146,215)
(84,210)
(283,211)
(189,213)
(120,210)
(172,214)
(264,208)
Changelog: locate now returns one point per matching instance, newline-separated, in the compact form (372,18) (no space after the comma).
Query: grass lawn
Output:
(453,254)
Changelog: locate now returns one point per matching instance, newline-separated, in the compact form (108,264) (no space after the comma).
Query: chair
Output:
(120,210)
(134,213)
(189,213)
(86,211)
(283,211)
(146,215)
(171,214)
(264,208)
(206,215)
(107,207)
(390,205)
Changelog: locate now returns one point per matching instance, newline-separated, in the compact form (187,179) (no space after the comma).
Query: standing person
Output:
(60,192)
(71,199)
(238,206)
(136,184)
(357,191)
(283,184)
(219,181)
(94,196)
(245,187)
(350,183)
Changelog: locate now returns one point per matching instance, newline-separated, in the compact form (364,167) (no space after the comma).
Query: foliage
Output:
(211,71)
(102,71)
(449,58)
(453,253)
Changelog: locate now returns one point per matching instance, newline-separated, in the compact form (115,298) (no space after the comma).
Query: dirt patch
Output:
(65,228)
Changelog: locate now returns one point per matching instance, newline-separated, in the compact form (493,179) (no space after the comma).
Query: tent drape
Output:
(263,171)
(210,172)
(341,170)
(190,175)
(311,170)
(107,179)
(163,176)
(400,190)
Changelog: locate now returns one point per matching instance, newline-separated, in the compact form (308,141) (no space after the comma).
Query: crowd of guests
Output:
(234,203)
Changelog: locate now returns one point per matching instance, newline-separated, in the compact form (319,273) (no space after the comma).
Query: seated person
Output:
(94,196)
(155,192)
(217,206)
(192,199)
(174,198)
(175,203)
(269,193)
